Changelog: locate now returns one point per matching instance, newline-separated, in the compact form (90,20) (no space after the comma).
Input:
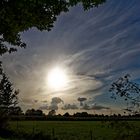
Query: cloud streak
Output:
(69,107)
(96,47)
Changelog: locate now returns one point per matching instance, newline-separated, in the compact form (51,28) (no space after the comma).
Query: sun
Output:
(57,78)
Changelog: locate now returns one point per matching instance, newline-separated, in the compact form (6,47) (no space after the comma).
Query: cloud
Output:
(35,101)
(29,101)
(99,107)
(53,107)
(86,107)
(96,46)
(44,101)
(81,100)
(69,106)
(55,101)
(94,107)
(44,107)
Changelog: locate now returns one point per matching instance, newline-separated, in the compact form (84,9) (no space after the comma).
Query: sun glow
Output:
(57,78)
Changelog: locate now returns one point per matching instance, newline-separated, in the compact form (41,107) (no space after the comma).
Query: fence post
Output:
(53,133)
(91,137)
(33,127)
(17,125)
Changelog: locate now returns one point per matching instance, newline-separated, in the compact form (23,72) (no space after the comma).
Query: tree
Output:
(17,16)
(66,114)
(129,91)
(52,113)
(17,111)
(8,97)
(33,112)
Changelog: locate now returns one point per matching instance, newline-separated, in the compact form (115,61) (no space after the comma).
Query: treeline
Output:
(32,114)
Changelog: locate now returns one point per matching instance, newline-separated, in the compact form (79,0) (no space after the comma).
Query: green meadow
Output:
(80,130)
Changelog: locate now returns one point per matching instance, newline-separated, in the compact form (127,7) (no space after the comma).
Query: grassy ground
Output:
(73,130)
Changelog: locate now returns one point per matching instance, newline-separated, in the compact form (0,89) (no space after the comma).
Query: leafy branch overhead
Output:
(17,16)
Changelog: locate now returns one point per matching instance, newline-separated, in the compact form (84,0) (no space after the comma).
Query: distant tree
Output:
(59,115)
(39,112)
(33,112)
(84,114)
(16,111)
(29,112)
(129,91)
(81,114)
(66,114)
(17,16)
(119,115)
(52,113)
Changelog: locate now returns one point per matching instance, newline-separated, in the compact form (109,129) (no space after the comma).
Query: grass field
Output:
(74,130)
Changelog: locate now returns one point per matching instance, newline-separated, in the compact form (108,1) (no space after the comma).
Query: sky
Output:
(93,47)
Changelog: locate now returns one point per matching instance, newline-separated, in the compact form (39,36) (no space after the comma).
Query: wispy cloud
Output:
(96,47)
(69,106)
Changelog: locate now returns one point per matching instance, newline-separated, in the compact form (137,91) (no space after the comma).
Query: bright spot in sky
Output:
(57,78)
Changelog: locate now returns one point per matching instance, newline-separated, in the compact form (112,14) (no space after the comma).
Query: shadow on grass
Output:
(9,134)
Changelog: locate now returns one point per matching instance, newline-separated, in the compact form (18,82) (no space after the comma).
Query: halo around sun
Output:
(57,78)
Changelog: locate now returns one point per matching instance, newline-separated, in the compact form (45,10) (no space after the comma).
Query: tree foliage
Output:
(52,113)
(33,112)
(17,16)
(8,96)
(128,90)
(15,111)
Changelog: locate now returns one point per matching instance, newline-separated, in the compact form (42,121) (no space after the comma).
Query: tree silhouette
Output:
(8,97)
(16,111)
(66,114)
(33,112)
(52,113)
(128,90)
(17,16)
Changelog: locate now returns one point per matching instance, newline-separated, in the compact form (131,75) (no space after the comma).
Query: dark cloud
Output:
(35,101)
(86,107)
(69,106)
(56,100)
(81,100)
(53,105)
